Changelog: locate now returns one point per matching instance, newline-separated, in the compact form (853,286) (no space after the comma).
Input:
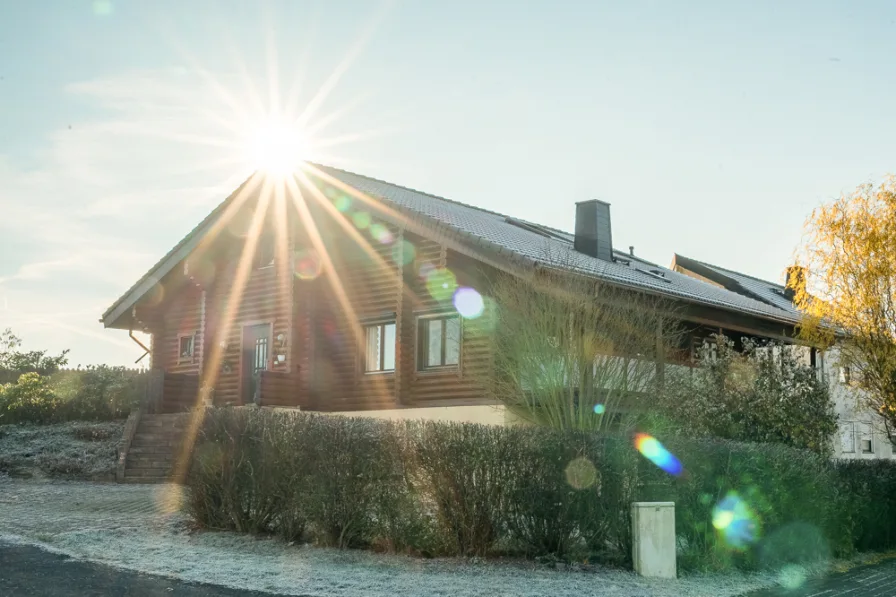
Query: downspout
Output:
(143,346)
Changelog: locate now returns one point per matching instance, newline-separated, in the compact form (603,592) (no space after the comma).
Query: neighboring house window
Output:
(866,438)
(264,252)
(847,438)
(380,353)
(845,375)
(185,348)
(438,342)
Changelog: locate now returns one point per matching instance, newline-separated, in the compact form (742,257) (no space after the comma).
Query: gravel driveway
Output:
(141,528)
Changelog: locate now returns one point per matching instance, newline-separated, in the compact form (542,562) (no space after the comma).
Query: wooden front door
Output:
(256,353)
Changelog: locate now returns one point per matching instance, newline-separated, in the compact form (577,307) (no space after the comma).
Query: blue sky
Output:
(713,129)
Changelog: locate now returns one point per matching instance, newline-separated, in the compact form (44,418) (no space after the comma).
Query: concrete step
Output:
(141,464)
(144,440)
(147,472)
(151,449)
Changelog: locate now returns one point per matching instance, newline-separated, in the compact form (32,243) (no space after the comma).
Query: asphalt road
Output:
(27,571)
(877,580)
(31,572)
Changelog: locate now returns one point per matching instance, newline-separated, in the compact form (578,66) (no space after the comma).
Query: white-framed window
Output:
(847,437)
(438,341)
(845,375)
(866,438)
(185,347)
(380,347)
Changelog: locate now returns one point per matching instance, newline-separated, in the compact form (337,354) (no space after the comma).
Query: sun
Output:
(277,147)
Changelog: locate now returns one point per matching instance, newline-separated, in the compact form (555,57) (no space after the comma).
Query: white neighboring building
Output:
(861,433)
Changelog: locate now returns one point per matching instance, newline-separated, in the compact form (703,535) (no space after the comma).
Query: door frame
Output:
(268,364)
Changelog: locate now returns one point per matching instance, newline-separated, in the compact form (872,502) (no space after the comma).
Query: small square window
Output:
(438,342)
(264,252)
(845,375)
(380,351)
(867,436)
(185,347)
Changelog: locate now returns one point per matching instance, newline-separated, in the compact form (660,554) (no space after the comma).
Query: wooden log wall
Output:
(265,300)
(182,317)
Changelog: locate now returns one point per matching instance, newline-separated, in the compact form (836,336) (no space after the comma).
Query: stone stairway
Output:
(155,447)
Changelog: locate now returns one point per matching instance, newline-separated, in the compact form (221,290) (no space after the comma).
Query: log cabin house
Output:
(344,293)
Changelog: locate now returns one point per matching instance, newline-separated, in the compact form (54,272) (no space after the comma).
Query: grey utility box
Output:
(653,539)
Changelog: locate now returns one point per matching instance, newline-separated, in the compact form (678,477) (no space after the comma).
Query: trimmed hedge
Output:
(462,489)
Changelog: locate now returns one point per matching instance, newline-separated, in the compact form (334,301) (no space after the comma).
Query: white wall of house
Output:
(484,414)
(861,432)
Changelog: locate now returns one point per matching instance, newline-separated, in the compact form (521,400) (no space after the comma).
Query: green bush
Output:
(98,393)
(757,394)
(871,489)
(779,486)
(30,399)
(463,489)
(93,394)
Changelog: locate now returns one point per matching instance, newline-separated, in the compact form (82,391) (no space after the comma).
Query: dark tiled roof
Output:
(511,239)
(556,248)
(769,292)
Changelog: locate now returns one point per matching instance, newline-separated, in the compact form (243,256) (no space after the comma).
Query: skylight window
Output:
(657,273)
(540,230)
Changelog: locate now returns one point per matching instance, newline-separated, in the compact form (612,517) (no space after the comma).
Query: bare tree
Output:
(574,352)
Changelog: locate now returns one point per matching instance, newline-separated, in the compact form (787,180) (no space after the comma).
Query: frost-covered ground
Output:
(71,450)
(140,528)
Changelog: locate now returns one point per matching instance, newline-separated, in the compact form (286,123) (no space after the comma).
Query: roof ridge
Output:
(380,180)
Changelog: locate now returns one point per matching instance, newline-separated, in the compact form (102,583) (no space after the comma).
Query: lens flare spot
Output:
(308,265)
(599,409)
(403,253)
(361,219)
(342,202)
(653,450)
(426,269)
(792,577)
(580,473)
(441,284)
(381,234)
(468,302)
(169,498)
(735,522)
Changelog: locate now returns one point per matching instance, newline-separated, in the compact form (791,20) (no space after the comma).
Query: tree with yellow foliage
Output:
(847,290)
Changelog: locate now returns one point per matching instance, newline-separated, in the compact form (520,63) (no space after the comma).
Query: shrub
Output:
(465,469)
(348,470)
(780,486)
(97,393)
(29,399)
(94,394)
(870,487)
(464,489)
(233,475)
(763,394)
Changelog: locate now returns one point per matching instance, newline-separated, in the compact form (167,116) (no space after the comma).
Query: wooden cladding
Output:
(265,299)
(182,320)
(172,392)
(281,389)
(317,321)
